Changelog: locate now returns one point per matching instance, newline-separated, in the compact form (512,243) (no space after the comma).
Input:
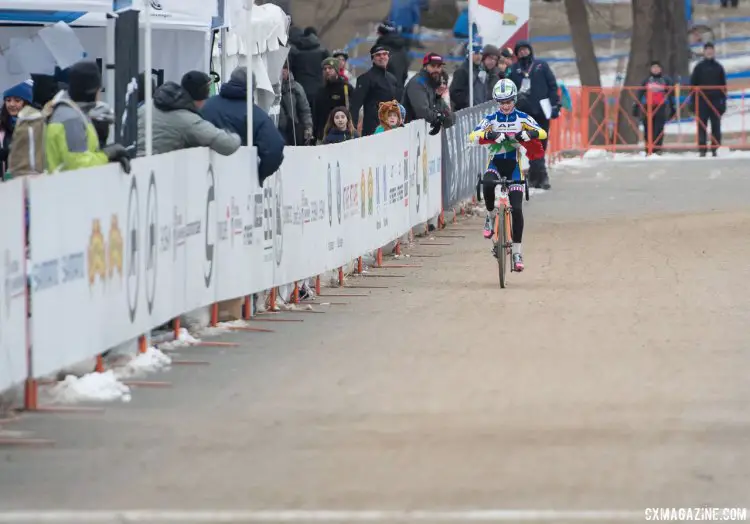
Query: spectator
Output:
(102,117)
(27,148)
(344,71)
(537,87)
(658,100)
(425,94)
(375,86)
(228,110)
(334,93)
(304,63)
(295,116)
(406,15)
(486,75)
(505,63)
(70,139)
(537,96)
(398,63)
(390,117)
(726,3)
(339,126)
(711,103)
(177,122)
(14,100)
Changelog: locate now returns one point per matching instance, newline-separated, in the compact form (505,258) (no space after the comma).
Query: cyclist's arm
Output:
(529,125)
(477,136)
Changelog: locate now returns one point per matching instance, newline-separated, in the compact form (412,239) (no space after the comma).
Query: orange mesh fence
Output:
(628,119)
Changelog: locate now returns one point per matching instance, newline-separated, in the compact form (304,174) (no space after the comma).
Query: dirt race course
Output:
(611,375)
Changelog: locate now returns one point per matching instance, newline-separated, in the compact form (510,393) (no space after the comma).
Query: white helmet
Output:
(505,90)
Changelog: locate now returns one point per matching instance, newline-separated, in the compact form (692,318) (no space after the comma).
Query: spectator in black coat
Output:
(537,90)
(486,75)
(711,103)
(537,86)
(334,93)
(425,94)
(375,86)
(398,64)
(304,62)
(228,110)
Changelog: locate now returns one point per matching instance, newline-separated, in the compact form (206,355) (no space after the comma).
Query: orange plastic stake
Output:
(99,364)
(397,249)
(214,314)
(359,265)
(273,299)
(379,258)
(176,327)
(295,294)
(317,285)
(341,276)
(142,344)
(248,308)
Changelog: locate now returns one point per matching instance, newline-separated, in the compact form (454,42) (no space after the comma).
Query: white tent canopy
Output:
(77,6)
(269,38)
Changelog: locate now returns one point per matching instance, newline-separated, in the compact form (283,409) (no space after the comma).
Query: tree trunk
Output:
(588,68)
(659,33)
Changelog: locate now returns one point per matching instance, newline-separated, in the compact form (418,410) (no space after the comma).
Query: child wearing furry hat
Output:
(390,117)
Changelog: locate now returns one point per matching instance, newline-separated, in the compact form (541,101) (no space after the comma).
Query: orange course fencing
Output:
(631,119)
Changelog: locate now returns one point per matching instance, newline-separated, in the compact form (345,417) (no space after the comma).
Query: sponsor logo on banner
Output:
(15,283)
(330,197)
(278,239)
(510,19)
(425,170)
(156,5)
(363,194)
(267,224)
(406,174)
(132,268)
(104,256)
(416,170)
(370,191)
(154,238)
(339,190)
(247,235)
(208,262)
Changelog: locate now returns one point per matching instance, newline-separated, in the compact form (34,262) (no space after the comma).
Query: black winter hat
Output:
(197,84)
(377,49)
(84,81)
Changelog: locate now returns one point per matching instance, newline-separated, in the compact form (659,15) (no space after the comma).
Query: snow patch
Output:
(93,387)
(184,338)
(593,157)
(151,361)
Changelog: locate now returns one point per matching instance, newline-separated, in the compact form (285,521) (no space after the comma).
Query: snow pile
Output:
(94,387)
(183,339)
(151,361)
(595,156)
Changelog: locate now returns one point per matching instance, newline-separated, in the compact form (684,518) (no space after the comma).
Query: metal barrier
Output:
(620,119)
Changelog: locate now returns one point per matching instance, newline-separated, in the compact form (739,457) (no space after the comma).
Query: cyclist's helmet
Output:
(504,91)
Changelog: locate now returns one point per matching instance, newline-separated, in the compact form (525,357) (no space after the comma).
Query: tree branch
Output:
(328,25)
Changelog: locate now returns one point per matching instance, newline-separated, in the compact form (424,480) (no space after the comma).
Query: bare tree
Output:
(659,33)
(332,15)
(588,65)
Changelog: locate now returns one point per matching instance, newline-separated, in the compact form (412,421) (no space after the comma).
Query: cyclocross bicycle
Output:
(502,232)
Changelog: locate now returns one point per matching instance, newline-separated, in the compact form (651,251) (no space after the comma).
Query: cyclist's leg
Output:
(515,197)
(488,188)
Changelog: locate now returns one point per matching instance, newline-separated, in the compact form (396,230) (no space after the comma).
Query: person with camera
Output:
(426,95)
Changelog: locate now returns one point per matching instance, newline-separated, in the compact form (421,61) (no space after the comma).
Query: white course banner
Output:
(13,347)
(116,255)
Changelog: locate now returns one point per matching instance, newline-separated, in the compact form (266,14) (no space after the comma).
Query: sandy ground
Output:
(612,374)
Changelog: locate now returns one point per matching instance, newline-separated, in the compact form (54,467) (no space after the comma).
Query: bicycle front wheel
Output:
(502,240)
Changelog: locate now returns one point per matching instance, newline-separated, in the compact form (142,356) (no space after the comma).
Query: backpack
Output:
(27,147)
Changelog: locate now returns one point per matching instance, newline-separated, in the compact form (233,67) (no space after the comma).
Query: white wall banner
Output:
(115,255)
(13,356)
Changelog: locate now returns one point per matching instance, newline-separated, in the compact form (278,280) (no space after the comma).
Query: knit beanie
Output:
(84,81)
(24,91)
(45,89)
(197,84)
(490,50)
(330,62)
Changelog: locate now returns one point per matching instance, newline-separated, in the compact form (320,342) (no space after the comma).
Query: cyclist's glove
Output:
(495,136)
(526,135)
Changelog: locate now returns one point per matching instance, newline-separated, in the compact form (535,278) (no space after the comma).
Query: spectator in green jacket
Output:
(71,141)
